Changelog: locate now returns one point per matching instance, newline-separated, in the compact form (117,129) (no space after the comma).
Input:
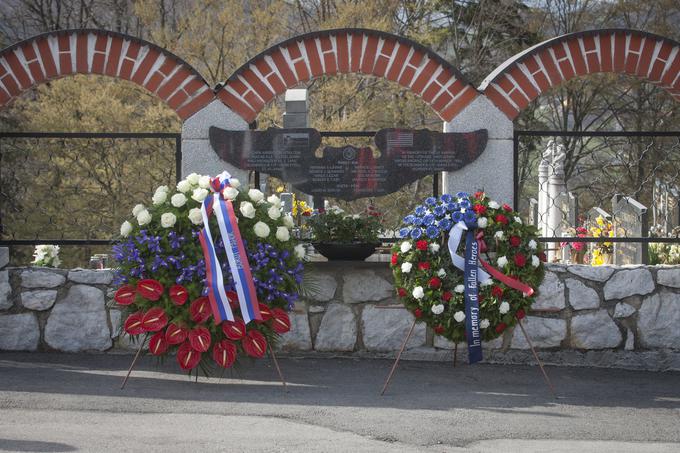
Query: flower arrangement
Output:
(432,288)
(162,270)
(335,226)
(578,249)
(601,252)
(46,255)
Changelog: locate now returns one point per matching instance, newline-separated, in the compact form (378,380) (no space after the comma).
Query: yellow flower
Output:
(279,189)
(600,221)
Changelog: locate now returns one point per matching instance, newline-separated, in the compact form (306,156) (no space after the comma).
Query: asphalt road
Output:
(63,403)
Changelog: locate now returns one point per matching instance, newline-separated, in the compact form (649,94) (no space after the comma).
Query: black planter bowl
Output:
(345,252)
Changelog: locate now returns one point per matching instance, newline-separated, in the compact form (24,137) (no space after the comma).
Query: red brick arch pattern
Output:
(343,51)
(518,81)
(57,54)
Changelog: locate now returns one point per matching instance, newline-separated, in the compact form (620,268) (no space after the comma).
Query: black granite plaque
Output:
(348,172)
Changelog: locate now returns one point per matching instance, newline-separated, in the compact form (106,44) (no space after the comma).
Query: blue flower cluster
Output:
(271,272)
(437,216)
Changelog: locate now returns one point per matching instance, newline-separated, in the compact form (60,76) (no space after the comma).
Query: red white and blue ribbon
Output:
(236,256)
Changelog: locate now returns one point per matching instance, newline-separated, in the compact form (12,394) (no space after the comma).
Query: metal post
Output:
(515,171)
(396,361)
(278,369)
(134,361)
(540,364)
(178,158)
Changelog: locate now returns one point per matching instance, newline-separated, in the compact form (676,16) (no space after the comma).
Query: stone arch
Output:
(343,51)
(87,51)
(522,78)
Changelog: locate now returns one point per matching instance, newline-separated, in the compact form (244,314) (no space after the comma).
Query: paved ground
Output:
(62,403)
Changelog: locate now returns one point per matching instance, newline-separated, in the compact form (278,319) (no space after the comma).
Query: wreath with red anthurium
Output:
(431,287)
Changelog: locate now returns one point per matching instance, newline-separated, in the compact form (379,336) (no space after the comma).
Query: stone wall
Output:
(608,316)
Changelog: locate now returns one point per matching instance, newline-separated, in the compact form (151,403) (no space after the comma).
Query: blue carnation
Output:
(445,224)
(457,216)
(439,211)
(470,217)
(420,210)
(462,195)
(452,207)
(416,233)
(430,201)
(465,204)
(446,198)
(428,220)
(404,232)
(417,221)
(432,231)
(408,219)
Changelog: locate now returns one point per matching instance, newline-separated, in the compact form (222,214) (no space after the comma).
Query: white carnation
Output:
(137,209)
(193,179)
(230,193)
(533,245)
(434,247)
(195,216)
(487,282)
(498,235)
(459,316)
(235,183)
(438,309)
(282,234)
(459,289)
(300,251)
(535,262)
(518,220)
(247,209)
(482,222)
(502,261)
(441,273)
(255,195)
(504,307)
(125,229)
(273,199)
(406,267)
(261,229)
(405,246)
(168,219)
(494,205)
(484,323)
(418,292)
(184,186)
(204,182)
(178,200)
(199,195)
(274,212)
(143,217)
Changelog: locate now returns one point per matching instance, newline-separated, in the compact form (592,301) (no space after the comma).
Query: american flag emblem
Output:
(399,139)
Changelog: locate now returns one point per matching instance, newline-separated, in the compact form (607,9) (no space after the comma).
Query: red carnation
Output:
(232,297)
(479,195)
(125,295)
(178,294)
(446,296)
(175,334)
(133,323)
(421,245)
(507,208)
(199,339)
(187,357)
(395,259)
(501,327)
(157,344)
(234,330)
(515,241)
(200,310)
(401,292)
(496,291)
(520,260)
(520,314)
(224,353)
(500,218)
(254,344)
(424,265)
(280,321)
(435,283)
(480,209)
(439,329)
(542,256)
(154,319)
(418,313)
(150,289)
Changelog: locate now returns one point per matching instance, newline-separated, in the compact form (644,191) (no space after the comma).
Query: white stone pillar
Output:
(557,193)
(543,173)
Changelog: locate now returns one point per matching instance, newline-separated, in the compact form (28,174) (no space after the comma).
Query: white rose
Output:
(193,179)
(230,193)
(300,251)
(247,209)
(441,273)
(178,200)
(504,307)
(418,292)
(498,235)
(261,229)
(137,209)
(533,245)
(125,229)
(459,289)
(405,246)
(502,261)
(288,221)
(494,205)
(255,195)
(482,222)
(282,234)
(438,309)
(459,316)
(434,247)
(487,282)
(168,219)
(518,220)
(184,186)
(199,195)
(484,323)
(406,267)
(204,182)
(159,198)
(274,212)
(235,183)
(195,216)
(535,262)
(143,217)
(273,199)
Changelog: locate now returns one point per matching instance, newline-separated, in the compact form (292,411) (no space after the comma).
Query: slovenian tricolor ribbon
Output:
(236,256)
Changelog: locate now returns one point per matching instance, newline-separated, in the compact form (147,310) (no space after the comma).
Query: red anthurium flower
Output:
(200,310)
(266,313)
(187,356)
(154,319)
(500,218)
(496,291)
(150,289)
(418,313)
(439,329)
(424,265)
(224,353)
(515,241)
(199,338)
(125,295)
(178,294)
(280,321)
(133,324)
(254,344)
(421,245)
(232,297)
(401,292)
(507,208)
(234,330)
(435,283)
(446,296)
(158,344)
(501,327)
(480,209)
(175,334)
(520,314)
(520,260)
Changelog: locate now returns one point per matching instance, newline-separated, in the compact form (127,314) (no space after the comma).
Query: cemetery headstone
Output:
(629,218)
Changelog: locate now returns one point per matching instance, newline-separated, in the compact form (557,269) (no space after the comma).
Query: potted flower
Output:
(340,236)
(578,249)
(602,252)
